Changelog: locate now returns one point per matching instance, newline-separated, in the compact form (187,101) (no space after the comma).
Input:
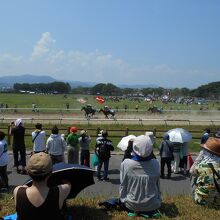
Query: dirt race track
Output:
(183,118)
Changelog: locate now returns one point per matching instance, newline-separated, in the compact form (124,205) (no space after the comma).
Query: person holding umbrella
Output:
(184,157)
(39,201)
(178,136)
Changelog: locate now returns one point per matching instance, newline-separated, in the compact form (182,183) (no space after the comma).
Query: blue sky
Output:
(169,43)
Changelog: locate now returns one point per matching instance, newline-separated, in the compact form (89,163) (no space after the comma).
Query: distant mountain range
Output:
(9,81)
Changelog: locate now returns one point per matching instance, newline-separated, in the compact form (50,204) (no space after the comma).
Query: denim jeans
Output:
(106,163)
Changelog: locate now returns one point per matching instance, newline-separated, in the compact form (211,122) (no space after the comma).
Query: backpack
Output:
(103,151)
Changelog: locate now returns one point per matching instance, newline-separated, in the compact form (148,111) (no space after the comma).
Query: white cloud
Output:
(43,46)
(98,67)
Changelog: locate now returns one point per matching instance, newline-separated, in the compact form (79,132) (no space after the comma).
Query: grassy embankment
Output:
(177,207)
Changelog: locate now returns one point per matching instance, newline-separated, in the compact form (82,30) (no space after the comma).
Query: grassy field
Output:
(175,207)
(59,102)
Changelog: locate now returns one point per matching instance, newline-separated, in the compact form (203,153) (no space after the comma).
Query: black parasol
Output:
(79,176)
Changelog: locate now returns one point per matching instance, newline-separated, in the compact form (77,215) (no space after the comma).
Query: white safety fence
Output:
(66,120)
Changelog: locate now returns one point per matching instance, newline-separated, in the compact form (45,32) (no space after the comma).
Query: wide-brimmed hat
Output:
(212,145)
(142,146)
(39,164)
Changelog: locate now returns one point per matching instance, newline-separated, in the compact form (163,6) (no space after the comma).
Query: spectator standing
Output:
(99,135)
(84,142)
(205,136)
(39,139)
(140,180)
(176,155)
(73,146)
(3,161)
(217,134)
(184,158)
(205,174)
(18,146)
(67,106)
(56,145)
(128,151)
(39,201)
(151,135)
(166,154)
(103,150)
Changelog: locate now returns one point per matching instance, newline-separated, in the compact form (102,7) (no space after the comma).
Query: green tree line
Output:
(211,90)
(54,87)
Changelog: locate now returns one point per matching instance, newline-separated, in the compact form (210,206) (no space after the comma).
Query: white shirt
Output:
(40,141)
(56,145)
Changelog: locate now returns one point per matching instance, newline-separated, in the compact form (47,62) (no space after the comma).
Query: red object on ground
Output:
(190,160)
(100,99)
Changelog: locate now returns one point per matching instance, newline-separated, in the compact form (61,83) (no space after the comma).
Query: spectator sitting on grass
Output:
(140,180)
(205,173)
(39,201)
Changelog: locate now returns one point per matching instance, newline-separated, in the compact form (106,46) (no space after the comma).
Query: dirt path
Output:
(205,118)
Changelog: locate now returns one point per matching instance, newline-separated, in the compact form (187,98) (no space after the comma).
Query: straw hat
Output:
(212,145)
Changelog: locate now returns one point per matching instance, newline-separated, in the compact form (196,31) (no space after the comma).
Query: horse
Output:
(107,112)
(89,111)
(155,110)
